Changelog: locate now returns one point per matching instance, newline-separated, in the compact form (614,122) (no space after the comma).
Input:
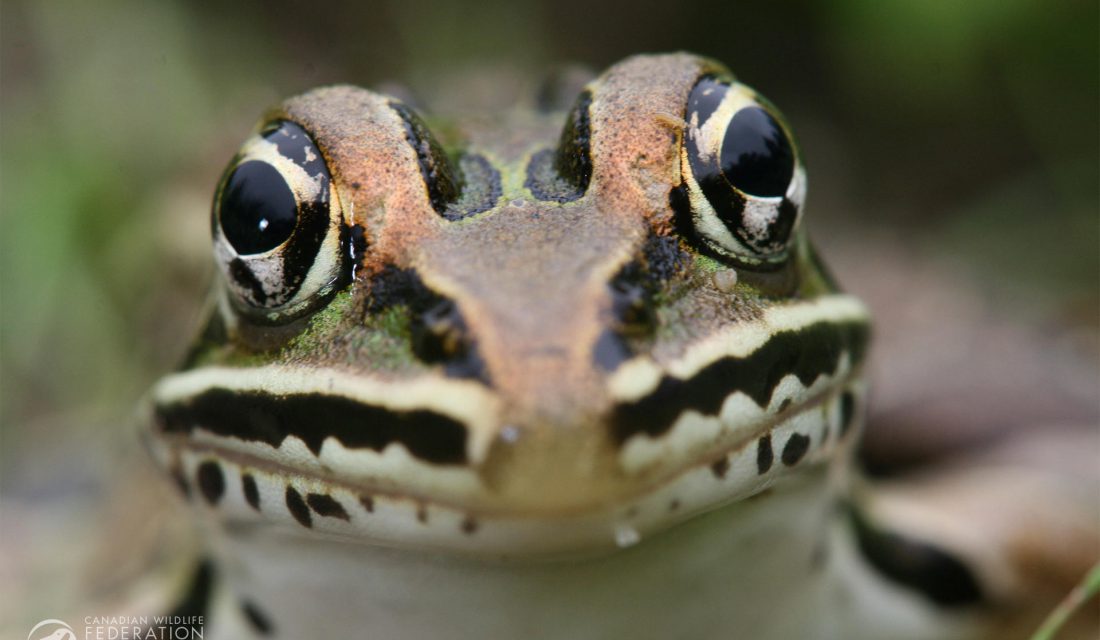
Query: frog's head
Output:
(515,323)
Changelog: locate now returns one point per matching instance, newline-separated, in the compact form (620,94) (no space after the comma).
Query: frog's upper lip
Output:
(439,420)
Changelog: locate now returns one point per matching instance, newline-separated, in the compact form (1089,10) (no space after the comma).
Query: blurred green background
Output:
(966,132)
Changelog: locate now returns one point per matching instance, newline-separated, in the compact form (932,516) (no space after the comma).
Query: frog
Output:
(571,371)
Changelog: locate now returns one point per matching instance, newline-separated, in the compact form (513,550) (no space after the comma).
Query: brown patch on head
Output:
(635,150)
(364,143)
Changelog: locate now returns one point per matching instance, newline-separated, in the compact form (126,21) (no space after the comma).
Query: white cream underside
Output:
(744,571)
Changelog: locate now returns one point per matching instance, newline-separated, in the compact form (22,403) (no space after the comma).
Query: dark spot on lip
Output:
(326,506)
(764,454)
(298,507)
(251,492)
(469,525)
(422,514)
(796,447)
(674,504)
(367,502)
(720,467)
(211,481)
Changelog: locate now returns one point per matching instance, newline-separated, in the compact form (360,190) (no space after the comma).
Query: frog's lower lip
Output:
(250,482)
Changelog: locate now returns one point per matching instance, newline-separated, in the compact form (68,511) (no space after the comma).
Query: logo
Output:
(51,630)
(122,628)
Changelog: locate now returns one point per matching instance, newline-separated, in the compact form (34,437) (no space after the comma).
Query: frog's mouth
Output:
(327,448)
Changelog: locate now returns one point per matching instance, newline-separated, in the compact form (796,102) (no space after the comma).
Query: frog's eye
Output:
(276,223)
(742,177)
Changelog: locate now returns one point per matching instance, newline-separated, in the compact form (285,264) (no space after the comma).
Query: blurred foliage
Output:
(970,129)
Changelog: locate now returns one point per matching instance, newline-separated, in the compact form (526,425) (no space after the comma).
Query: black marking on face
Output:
(367,502)
(256,416)
(764,454)
(806,353)
(847,412)
(439,333)
(796,447)
(720,467)
(211,481)
(469,525)
(545,183)
(633,318)
(440,336)
(923,567)
(298,507)
(251,492)
(326,506)
(481,188)
(435,169)
(562,175)
(574,160)
(257,619)
(674,504)
(422,513)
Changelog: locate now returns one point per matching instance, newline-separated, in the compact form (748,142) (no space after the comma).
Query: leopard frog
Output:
(570,373)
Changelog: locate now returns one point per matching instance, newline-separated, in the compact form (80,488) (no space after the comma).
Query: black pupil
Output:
(258,211)
(756,156)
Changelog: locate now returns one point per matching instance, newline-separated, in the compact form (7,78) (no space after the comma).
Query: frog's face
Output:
(515,322)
